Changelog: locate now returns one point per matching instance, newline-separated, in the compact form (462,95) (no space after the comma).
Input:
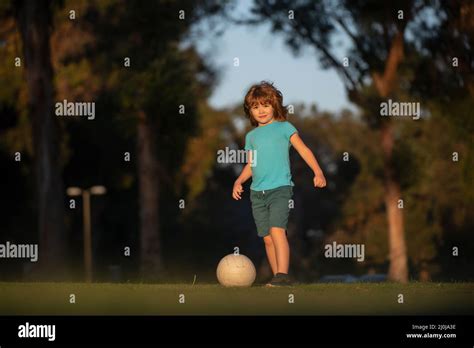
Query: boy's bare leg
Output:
(282,249)
(271,255)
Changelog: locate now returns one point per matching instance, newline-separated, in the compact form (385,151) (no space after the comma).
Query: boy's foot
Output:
(280,279)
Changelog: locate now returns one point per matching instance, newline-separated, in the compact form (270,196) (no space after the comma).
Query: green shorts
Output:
(271,208)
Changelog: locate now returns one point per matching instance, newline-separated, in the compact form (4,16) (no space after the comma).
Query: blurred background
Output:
(168,78)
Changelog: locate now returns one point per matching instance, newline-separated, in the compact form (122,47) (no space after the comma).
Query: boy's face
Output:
(262,113)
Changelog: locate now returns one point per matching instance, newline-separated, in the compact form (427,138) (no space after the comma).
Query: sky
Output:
(264,56)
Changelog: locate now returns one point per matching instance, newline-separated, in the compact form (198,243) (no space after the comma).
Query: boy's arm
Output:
(243,177)
(247,171)
(308,156)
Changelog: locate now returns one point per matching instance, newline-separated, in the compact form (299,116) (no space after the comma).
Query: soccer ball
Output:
(236,270)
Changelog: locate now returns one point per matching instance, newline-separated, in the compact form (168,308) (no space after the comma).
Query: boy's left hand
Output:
(319,180)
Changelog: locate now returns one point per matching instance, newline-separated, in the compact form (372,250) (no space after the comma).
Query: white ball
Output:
(236,270)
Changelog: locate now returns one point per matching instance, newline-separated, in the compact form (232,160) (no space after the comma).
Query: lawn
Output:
(212,299)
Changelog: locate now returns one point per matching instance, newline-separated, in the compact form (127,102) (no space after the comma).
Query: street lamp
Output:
(86,214)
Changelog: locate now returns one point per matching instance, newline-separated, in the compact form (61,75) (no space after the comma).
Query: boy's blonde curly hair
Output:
(265,93)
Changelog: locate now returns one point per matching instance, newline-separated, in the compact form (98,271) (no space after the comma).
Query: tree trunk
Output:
(398,270)
(33,18)
(151,264)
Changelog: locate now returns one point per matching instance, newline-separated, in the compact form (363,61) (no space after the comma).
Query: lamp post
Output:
(86,215)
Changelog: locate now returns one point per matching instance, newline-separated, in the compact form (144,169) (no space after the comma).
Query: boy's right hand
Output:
(237,190)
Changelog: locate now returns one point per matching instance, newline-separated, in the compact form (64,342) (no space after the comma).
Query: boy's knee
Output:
(268,240)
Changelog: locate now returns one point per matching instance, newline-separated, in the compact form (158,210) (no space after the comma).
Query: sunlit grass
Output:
(212,299)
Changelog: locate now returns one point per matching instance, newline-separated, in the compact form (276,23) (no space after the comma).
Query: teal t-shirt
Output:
(271,155)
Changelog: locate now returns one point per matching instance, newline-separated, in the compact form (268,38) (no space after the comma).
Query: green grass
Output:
(211,299)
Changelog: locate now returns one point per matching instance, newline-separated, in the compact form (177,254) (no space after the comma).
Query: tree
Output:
(34,23)
(161,77)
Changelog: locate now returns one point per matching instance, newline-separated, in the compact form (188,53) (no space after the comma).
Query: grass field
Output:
(212,299)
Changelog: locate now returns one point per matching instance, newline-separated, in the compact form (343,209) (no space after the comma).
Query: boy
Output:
(272,188)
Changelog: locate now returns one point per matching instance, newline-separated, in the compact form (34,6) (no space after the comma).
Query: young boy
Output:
(268,164)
